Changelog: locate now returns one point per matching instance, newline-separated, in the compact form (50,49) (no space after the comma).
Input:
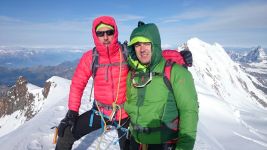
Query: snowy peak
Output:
(214,69)
(24,100)
(208,54)
(18,98)
(255,56)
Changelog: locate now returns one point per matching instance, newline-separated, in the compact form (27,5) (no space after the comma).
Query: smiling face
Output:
(143,52)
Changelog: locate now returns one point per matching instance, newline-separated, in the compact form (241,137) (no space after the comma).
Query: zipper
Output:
(112,81)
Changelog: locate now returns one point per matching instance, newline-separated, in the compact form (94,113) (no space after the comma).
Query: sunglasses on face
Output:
(102,33)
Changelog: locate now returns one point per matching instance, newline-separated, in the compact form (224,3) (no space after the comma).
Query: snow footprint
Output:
(35,145)
(60,108)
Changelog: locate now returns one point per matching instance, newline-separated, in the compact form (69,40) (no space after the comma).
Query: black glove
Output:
(69,120)
(187,56)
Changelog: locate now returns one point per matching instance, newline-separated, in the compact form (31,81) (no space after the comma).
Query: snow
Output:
(9,123)
(229,117)
(32,87)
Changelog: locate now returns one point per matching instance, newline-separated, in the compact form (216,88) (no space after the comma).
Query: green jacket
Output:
(154,106)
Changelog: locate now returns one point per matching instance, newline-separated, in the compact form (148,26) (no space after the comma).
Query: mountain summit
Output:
(214,68)
(257,55)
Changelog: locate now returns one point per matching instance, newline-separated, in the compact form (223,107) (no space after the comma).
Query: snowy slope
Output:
(214,68)
(229,113)
(230,116)
(37,133)
(258,68)
(9,123)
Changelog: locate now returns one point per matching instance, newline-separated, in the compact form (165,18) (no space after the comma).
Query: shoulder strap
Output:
(94,62)
(167,74)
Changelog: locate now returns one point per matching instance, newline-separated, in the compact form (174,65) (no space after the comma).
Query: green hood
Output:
(151,32)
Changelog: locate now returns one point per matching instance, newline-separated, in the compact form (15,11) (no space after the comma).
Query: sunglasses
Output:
(102,33)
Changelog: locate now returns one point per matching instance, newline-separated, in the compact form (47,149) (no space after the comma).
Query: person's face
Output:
(105,35)
(143,52)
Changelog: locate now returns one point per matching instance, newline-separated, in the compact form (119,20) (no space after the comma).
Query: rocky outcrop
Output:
(46,89)
(17,98)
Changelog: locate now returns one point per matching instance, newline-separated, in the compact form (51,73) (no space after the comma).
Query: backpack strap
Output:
(94,64)
(167,74)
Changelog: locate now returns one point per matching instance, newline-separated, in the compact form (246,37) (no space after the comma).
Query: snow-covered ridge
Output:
(9,123)
(213,67)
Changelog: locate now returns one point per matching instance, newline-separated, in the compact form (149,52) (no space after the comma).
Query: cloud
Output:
(125,18)
(244,16)
(18,32)
(61,25)
(60,32)
(5,19)
(246,22)
(122,17)
(237,24)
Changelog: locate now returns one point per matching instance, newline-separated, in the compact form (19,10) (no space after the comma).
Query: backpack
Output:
(171,57)
(95,63)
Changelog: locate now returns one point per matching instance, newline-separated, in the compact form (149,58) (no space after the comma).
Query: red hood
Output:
(114,46)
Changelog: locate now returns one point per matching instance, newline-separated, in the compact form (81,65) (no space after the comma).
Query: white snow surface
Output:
(229,117)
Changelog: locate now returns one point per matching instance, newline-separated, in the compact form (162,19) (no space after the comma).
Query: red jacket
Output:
(107,78)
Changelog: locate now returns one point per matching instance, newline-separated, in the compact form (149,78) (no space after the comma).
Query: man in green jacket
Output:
(161,117)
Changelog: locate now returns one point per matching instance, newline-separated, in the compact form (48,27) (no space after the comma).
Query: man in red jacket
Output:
(109,88)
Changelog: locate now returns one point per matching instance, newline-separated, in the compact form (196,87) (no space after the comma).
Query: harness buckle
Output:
(142,129)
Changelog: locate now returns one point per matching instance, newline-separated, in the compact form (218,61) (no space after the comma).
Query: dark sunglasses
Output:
(102,33)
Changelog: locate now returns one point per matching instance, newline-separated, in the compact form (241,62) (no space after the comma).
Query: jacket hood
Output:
(151,32)
(114,46)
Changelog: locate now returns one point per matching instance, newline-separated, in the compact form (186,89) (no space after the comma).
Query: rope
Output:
(109,128)
(101,115)
(105,125)
(98,146)
(114,106)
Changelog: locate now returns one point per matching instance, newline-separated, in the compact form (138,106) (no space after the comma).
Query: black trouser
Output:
(165,146)
(82,128)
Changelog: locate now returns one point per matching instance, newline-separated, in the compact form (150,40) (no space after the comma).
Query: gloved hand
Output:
(187,56)
(69,120)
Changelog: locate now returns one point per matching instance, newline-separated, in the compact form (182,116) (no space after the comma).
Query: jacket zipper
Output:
(112,81)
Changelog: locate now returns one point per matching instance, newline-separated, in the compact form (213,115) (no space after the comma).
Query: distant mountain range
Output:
(253,62)
(37,75)
(36,64)
(247,55)
(30,57)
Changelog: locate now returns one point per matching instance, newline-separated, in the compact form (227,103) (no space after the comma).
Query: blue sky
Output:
(51,23)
